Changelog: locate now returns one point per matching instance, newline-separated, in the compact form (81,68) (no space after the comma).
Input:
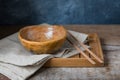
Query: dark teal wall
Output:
(60,11)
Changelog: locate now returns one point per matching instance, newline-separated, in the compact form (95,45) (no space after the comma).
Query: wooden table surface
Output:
(110,38)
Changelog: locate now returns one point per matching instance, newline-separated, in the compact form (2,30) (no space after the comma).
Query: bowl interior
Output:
(42,33)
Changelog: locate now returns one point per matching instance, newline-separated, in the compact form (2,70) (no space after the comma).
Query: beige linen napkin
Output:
(18,64)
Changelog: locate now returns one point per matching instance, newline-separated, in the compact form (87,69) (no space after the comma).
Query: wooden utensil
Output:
(90,60)
(80,43)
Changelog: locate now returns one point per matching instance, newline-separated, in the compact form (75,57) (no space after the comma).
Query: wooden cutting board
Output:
(79,60)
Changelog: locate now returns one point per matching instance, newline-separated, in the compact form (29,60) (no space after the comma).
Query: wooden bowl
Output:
(42,39)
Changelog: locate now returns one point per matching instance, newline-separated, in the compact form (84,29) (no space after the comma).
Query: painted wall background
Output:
(60,11)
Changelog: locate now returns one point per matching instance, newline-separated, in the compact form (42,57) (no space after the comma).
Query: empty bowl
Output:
(42,39)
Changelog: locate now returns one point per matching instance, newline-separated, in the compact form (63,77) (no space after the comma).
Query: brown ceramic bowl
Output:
(42,39)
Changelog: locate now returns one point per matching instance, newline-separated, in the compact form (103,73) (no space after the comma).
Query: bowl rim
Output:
(36,42)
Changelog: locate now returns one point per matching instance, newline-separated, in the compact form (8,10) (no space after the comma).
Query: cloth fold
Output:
(18,64)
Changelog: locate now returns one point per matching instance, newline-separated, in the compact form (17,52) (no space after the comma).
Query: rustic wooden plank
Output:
(99,48)
(95,45)
(71,62)
(76,61)
(111,45)
(109,34)
(111,49)
(109,72)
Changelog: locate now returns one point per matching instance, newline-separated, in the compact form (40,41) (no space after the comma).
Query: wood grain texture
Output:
(110,37)
(76,61)
(109,34)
